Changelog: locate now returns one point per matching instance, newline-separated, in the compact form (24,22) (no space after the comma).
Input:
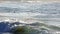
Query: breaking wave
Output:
(39,28)
(49,14)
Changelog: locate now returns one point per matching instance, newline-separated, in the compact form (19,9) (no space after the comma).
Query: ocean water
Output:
(43,18)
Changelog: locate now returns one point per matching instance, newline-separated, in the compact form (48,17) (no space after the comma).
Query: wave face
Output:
(42,18)
(38,28)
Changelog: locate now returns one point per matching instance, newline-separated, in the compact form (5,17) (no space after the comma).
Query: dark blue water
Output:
(5,27)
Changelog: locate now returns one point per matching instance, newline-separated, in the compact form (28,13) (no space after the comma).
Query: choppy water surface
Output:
(43,18)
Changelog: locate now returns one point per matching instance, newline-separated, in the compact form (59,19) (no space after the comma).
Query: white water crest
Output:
(45,17)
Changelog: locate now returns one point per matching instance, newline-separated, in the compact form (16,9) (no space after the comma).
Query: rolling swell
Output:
(38,27)
(48,11)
